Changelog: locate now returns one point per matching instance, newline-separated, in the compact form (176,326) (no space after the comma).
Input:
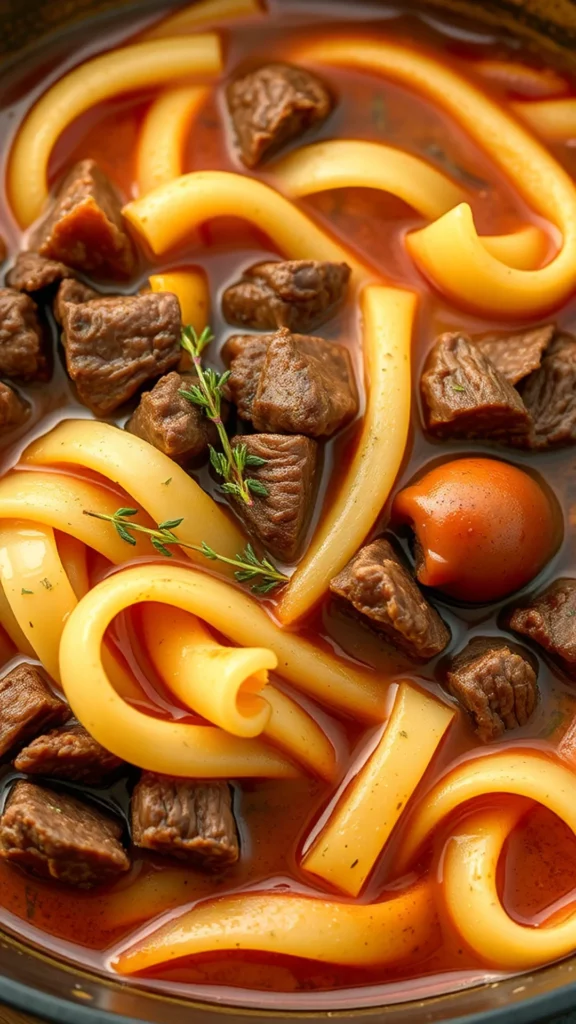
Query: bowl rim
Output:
(57,1010)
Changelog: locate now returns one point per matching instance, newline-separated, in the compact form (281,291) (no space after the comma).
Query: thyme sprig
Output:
(207,394)
(248,567)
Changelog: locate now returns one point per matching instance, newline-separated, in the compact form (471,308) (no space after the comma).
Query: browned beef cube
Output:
(27,707)
(32,273)
(71,291)
(85,228)
(189,820)
(114,345)
(272,106)
(13,409)
(279,520)
(306,387)
(292,383)
(466,396)
(550,621)
(172,424)
(68,753)
(245,355)
(496,684)
(57,836)
(380,589)
(22,352)
(549,394)
(298,294)
(516,355)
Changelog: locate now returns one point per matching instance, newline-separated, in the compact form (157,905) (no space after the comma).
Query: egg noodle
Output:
(244,677)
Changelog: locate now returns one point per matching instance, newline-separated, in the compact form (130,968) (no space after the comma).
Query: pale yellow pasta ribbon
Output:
(167,216)
(191,288)
(553,120)
(127,69)
(229,686)
(388,316)
(233,613)
(373,935)
(220,683)
(204,12)
(515,771)
(159,156)
(345,163)
(152,480)
(347,848)
(449,251)
(36,586)
(473,901)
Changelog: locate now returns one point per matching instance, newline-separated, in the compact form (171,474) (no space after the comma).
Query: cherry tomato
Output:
(484,528)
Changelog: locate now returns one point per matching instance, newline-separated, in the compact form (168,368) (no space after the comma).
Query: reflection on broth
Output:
(288,600)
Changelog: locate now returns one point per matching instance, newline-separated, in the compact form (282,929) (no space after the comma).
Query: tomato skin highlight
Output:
(484,528)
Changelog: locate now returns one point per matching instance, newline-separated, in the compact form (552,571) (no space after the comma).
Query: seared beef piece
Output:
(21,337)
(380,588)
(516,355)
(245,355)
(3,250)
(550,621)
(68,753)
(189,820)
(71,291)
(273,105)
(292,383)
(27,707)
(13,409)
(56,836)
(172,424)
(549,394)
(32,273)
(466,396)
(114,345)
(85,228)
(299,294)
(279,520)
(496,683)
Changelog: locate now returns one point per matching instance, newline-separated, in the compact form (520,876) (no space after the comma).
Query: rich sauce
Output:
(275,817)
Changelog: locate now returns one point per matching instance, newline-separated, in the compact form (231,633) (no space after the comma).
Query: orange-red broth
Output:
(275,817)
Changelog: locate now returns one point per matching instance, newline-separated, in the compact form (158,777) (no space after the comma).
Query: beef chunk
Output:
(550,621)
(56,836)
(32,273)
(27,707)
(292,383)
(68,753)
(22,352)
(380,588)
(245,354)
(114,345)
(84,228)
(272,106)
(466,396)
(13,409)
(3,250)
(549,394)
(189,820)
(71,291)
(299,294)
(496,683)
(516,355)
(169,422)
(279,520)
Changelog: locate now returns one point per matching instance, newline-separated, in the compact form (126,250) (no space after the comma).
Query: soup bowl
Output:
(53,990)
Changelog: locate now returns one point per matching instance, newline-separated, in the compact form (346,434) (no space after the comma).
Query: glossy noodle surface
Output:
(288,504)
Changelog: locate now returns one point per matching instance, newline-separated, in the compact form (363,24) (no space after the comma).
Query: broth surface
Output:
(275,817)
